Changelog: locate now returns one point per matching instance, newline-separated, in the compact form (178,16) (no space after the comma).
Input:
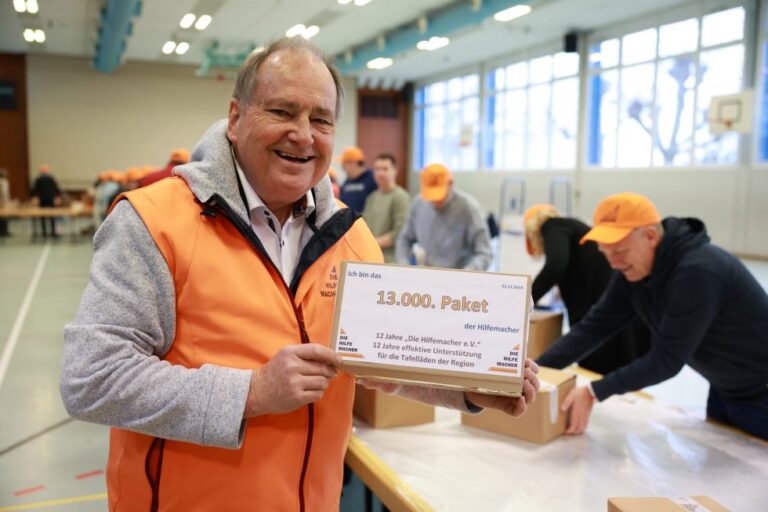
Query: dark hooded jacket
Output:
(703,308)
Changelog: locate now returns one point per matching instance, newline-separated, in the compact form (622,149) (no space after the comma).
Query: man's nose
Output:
(301,133)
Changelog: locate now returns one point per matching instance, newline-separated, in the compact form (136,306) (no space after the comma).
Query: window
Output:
(650,92)
(447,115)
(532,114)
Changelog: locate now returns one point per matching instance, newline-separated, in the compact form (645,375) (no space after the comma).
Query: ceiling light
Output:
(39,36)
(20,5)
(203,22)
(168,47)
(344,2)
(295,30)
(32,6)
(310,32)
(29,35)
(182,48)
(187,20)
(512,13)
(361,3)
(380,63)
(433,43)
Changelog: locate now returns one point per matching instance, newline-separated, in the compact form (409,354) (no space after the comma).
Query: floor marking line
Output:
(29,490)
(52,503)
(35,436)
(89,474)
(10,344)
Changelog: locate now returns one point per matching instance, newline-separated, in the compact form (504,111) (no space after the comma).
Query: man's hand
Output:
(579,401)
(511,406)
(295,376)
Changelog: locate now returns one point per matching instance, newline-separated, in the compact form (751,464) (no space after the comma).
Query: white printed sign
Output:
(433,319)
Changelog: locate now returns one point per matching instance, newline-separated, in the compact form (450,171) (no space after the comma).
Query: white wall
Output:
(82,122)
(732,202)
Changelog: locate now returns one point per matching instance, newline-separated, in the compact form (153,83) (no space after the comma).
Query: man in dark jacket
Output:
(702,305)
(582,275)
(46,190)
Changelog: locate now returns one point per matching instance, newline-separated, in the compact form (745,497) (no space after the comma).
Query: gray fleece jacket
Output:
(113,371)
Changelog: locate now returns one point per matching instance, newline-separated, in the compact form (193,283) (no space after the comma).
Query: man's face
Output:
(384,173)
(352,169)
(284,138)
(633,256)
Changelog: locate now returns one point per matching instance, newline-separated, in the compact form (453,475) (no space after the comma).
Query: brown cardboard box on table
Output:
(660,504)
(546,327)
(382,410)
(542,422)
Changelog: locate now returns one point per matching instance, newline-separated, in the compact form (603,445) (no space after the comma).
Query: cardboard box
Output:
(659,504)
(542,422)
(546,327)
(382,410)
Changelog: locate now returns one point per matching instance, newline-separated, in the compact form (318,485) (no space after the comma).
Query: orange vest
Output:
(233,310)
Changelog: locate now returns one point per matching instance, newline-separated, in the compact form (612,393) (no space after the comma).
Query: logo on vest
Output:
(611,215)
(329,288)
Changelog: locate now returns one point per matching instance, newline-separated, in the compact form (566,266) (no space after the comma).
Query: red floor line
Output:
(89,474)
(30,490)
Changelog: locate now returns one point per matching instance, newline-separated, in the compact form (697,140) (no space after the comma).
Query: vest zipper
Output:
(153,473)
(210,208)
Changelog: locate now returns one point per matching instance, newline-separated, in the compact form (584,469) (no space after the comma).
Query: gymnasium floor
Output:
(50,462)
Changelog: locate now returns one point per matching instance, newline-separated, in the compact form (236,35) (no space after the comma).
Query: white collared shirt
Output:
(282,243)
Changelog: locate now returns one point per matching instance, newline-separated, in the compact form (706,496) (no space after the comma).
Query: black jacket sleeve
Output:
(607,317)
(692,303)
(557,248)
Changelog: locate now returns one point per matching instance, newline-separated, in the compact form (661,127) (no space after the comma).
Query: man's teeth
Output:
(294,157)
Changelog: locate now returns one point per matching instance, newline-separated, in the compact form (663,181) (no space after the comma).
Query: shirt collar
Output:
(301,208)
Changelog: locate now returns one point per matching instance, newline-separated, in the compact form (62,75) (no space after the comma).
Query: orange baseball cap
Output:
(617,215)
(352,154)
(436,180)
(180,156)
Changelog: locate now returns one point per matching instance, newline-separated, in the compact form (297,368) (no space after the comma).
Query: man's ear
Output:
(233,119)
(653,235)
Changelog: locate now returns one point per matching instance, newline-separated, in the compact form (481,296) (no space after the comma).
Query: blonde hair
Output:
(534,218)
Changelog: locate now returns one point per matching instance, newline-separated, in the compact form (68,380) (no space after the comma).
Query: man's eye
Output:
(279,112)
(322,121)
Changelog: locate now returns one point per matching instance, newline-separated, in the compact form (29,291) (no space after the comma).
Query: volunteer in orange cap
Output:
(447,224)
(581,274)
(702,305)
(178,156)
(359,183)
(203,336)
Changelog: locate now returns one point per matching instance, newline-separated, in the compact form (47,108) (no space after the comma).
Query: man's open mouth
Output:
(293,158)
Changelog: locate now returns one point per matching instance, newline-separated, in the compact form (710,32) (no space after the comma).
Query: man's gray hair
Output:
(248,75)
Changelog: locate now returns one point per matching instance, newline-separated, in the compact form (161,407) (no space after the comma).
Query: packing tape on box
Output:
(554,403)
(690,505)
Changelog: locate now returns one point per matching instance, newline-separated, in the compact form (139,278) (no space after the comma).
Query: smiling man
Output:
(702,306)
(203,334)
